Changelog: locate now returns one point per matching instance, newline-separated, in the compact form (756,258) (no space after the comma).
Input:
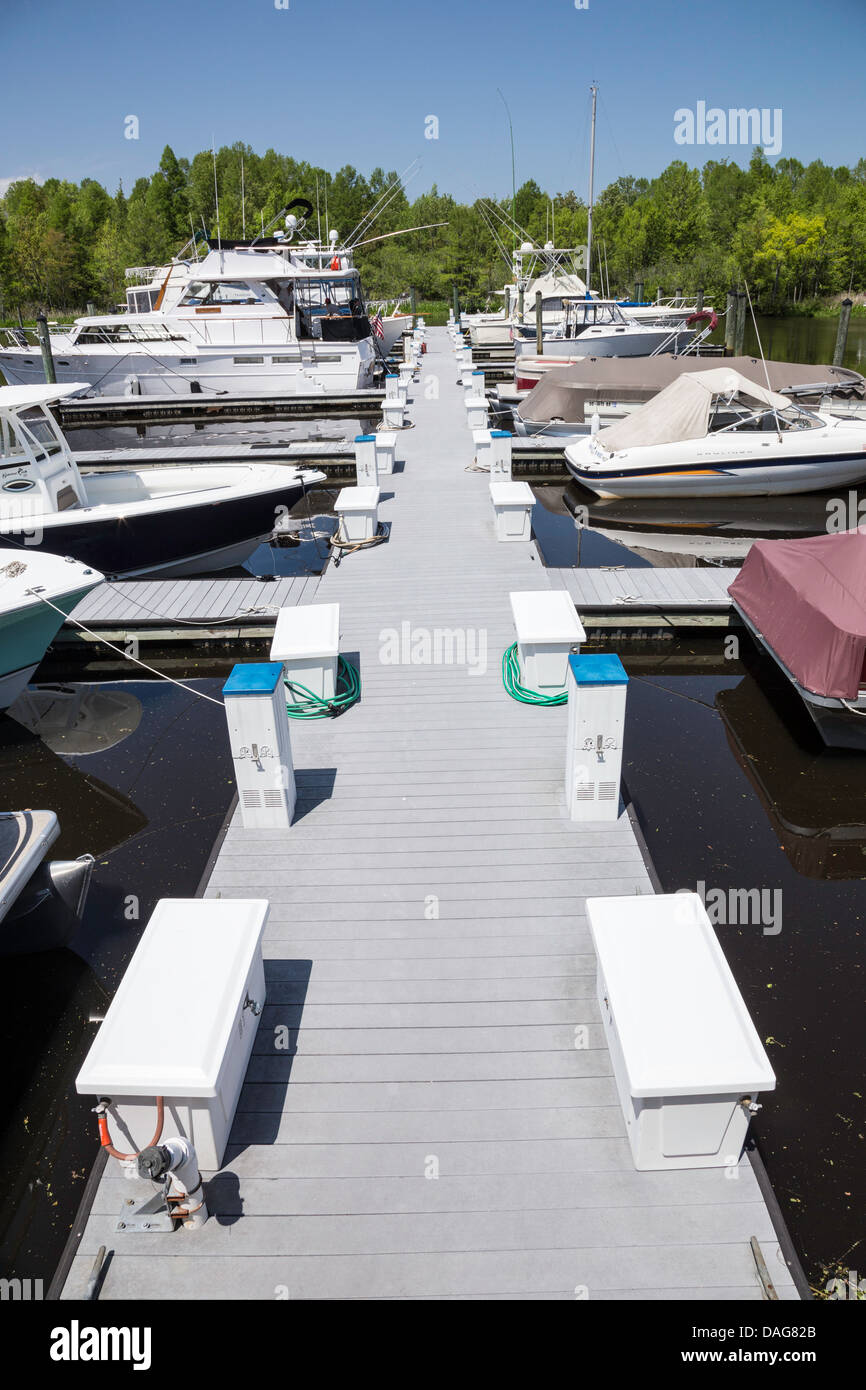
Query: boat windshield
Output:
(329,296)
(585,313)
(731,416)
(200,292)
(33,425)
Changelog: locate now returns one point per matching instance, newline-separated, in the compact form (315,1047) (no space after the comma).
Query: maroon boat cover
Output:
(807,598)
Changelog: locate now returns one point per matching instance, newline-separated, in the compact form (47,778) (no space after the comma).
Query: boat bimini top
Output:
(685,410)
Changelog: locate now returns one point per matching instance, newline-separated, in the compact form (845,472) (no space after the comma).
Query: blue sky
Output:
(352,81)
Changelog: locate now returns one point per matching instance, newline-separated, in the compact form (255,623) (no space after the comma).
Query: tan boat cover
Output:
(567,392)
(682,410)
(807,598)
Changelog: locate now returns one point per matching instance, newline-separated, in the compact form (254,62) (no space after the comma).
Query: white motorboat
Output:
(715,433)
(599,328)
(131,521)
(249,318)
(37,591)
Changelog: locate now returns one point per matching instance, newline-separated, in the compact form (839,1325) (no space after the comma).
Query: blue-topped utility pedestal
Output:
(366,470)
(255,701)
(597,688)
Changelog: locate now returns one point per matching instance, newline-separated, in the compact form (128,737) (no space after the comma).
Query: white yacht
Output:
(246,318)
(714,433)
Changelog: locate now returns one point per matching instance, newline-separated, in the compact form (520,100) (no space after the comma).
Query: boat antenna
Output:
(513,180)
(318,213)
(594,91)
(243,202)
(216,195)
(763,359)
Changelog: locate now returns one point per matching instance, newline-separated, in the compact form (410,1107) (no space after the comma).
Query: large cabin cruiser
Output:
(245,318)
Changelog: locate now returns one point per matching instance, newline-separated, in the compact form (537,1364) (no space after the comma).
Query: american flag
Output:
(378,327)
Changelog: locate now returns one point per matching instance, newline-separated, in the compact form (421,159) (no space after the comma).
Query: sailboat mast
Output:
(594,91)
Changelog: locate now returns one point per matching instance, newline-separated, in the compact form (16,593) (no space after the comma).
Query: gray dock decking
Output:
(212,603)
(428,951)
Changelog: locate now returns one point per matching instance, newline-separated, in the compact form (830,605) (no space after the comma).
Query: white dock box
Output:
(548,631)
(393,413)
(476,412)
(687,1060)
(358,510)
(386,450)
(512,509)
(307,642)
(182,1025)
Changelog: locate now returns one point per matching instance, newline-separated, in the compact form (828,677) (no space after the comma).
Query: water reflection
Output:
(814,798)
(687,533)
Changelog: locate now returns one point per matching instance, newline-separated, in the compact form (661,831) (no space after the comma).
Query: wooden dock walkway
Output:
(436,1129)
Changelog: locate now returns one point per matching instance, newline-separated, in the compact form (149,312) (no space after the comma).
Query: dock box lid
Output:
(505,493)
(681,1020)
(169,1025)
(546,615)
(357,499)
(307,630)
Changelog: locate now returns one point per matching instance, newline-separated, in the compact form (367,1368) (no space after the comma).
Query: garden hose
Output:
(306,705)
(511,681)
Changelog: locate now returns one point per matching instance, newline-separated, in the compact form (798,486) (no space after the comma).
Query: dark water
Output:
(148,802)
(800,339)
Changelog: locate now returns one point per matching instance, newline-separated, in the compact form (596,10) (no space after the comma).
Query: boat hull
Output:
(746,478)
(25,635)
(211,372)
(181,539)
(840,724)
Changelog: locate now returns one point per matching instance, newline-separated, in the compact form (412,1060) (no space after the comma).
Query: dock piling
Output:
(842,333)
(539,339)
(730,322)
(45,347)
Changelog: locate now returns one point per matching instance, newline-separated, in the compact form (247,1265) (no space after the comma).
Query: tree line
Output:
(795,233)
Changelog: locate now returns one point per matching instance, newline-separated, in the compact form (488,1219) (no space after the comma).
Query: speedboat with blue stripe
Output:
(715,434)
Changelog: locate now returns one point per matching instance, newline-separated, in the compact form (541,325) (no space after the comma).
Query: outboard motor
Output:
(48,911)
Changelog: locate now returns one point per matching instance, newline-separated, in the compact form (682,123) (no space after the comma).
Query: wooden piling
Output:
(842,332)
(45,347)
(741,324)
(539,337)
(730,323)
(699,299)
(638,291)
